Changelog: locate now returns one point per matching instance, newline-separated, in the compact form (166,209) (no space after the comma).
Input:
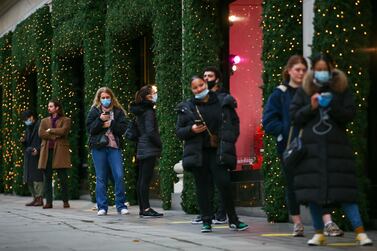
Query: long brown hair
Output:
(292,61)
(57,104)
(114,101)
(143,93)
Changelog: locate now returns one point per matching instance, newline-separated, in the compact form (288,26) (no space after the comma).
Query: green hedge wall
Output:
(342,29)
(127,21)
(78,33)
(31,55)
(282,37)
(7,143)
(201,46)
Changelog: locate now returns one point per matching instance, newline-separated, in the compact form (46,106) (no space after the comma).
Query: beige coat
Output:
(62,155)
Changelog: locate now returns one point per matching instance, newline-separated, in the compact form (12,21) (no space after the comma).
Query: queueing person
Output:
(212,76)
(327,173)
(276,121)
(148,145)
(106,123)
(209,125)
(55,153)
(32,176)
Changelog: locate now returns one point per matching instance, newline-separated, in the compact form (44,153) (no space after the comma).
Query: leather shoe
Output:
(66,204)
(31,203)
(47,206)
(38,201)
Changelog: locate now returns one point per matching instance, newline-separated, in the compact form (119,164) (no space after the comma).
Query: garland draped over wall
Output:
(341,28)
(282,37)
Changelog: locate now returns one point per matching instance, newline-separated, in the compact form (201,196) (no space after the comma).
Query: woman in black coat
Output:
(327,174)
(106,124)
(32,176)
(148,145)
(209,126)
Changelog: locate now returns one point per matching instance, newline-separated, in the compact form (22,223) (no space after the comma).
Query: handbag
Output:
(213,139)
(295,150)
(101,141)
(132,131)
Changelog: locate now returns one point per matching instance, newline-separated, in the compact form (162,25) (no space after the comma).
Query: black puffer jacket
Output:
(94,125)
(149,142)
(327,173)
(227,128)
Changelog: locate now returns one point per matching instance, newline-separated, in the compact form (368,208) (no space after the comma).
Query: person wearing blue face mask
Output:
(148,145)
(326,176)
(209,125)
(32,144)
(106,123)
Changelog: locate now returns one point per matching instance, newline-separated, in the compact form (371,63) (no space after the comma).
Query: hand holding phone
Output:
(105,116)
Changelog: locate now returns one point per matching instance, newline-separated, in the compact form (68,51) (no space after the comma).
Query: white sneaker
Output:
(124,211)
(101,212)
(363,239)
(317,240)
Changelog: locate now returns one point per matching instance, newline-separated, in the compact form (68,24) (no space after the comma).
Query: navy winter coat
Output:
(32,140)
(149,142)
(276,119)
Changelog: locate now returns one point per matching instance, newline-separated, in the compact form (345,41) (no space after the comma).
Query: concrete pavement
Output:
(79,228)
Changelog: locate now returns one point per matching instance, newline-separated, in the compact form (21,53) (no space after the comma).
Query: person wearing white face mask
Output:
(106,123)
(326,175)
(209,126)
(32,144)
(148,145)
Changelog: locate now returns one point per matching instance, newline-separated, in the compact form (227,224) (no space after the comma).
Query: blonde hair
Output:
(114,101)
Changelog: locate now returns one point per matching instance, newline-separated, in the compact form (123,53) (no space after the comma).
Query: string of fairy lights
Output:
(282,37)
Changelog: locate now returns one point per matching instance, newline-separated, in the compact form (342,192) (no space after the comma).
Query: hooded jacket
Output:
(149,142)
(327,173)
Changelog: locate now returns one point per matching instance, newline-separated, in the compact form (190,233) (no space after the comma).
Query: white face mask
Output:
(154,98)
(202,95)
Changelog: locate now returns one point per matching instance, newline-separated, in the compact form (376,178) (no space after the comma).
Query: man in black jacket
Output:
(32,176)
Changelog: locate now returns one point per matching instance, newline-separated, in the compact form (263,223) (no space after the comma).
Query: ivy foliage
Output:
(341,28)
(201,47)
(282,37)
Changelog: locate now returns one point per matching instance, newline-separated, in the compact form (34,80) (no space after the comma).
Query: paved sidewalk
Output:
(79,228)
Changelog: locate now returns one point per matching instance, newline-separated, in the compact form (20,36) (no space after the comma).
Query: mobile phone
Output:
(198,122)
(107,113)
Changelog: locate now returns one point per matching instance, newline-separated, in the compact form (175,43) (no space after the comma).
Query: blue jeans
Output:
(351,210)
(105,158)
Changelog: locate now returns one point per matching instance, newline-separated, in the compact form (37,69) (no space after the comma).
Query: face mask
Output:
(154,98)
(211,84)
(28,122)
(202,94)
(106,102)
(324,99)
(322,77)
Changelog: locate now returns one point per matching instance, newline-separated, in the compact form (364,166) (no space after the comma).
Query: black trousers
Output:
(146,168)
(205,177)
(63,180)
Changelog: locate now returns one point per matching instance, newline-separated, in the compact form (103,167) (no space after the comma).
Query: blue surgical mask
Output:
(106,102)
(154,98)
(28,122)
(322,77)
(324,99)
(202,95)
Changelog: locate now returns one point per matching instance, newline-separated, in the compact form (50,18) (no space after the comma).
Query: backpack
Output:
(132,131)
